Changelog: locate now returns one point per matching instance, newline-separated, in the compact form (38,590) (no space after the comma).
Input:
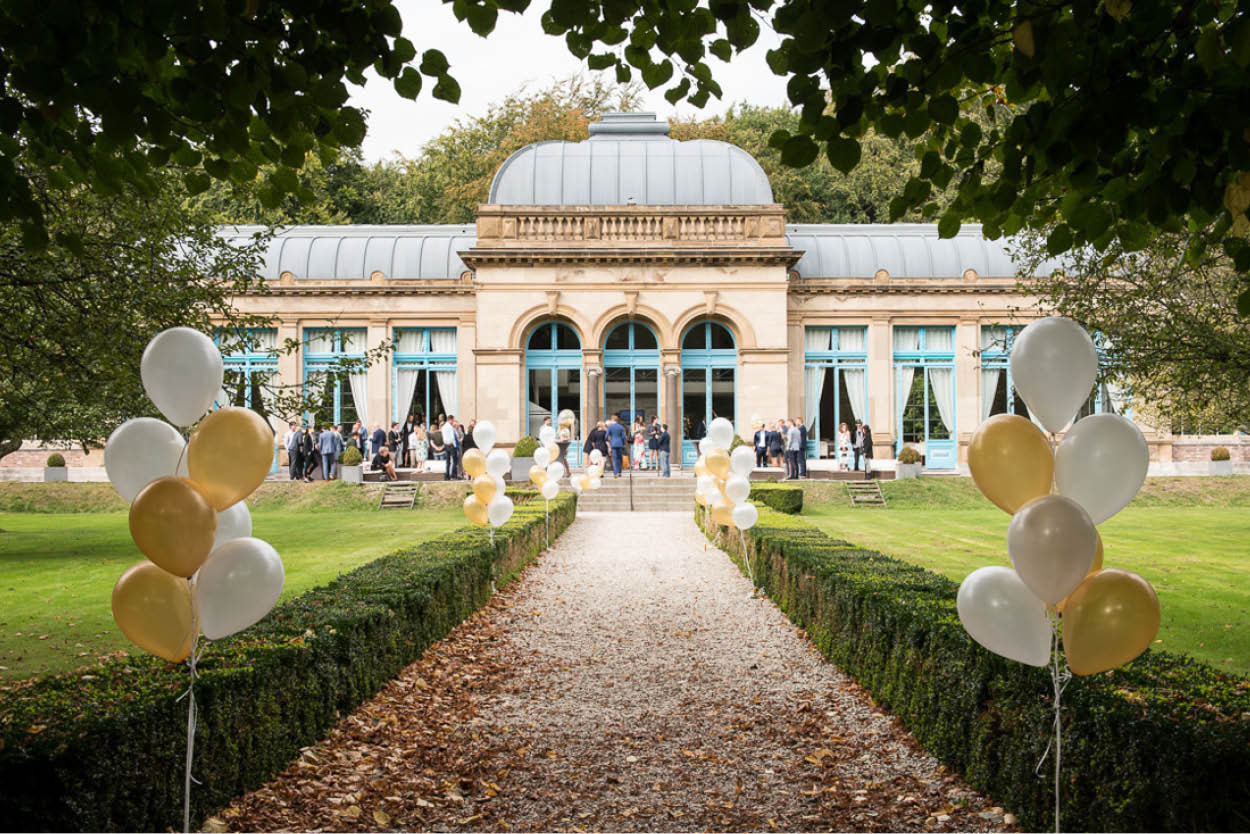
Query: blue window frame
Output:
(423,372)
(835,385)
(324,348)
(553,382)
(924,373)
(631,372)
(251,369)
(709,363)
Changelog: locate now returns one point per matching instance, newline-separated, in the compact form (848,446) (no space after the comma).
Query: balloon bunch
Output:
(1057,591)
(205,574)
(724,480)
(487,504)
(547,470)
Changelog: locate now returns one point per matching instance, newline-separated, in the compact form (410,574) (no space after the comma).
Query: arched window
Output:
(709,360)
(553,381)
(631,372)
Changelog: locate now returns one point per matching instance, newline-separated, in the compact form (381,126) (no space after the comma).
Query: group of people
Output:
(647,445)
(409,444)
(784,442)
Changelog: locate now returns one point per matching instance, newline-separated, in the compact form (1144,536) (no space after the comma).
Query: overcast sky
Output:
(519,53)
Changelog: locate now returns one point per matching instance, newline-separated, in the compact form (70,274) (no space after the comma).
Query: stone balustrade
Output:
(617,226)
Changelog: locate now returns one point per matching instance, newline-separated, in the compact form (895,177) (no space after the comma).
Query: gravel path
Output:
(626,683)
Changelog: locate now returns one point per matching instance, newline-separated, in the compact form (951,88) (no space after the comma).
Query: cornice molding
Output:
(720,256)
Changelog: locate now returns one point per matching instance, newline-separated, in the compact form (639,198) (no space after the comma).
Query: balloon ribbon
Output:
(192,718)
(746,557)
(1059,677)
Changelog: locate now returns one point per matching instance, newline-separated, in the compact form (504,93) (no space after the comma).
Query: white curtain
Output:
(320,341)
(989,387)
(939,340)
(266,340)
(851,339)
(360,394)
(944,394)
(444,341)
(353,341)
(410,341)
(1119,396)
(854,381)
(906,340)
(406,380)
(994,338)
(813,386)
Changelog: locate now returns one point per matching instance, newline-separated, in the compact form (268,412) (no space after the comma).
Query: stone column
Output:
(379,377)
(881,387)
(289,364)
(967,384)
(672,403)
(593,375)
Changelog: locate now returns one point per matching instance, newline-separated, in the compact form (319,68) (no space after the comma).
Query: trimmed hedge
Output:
(1161,744)
(781,497)
(104,750)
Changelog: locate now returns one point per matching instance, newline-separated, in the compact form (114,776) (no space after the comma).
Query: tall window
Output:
(425,373)
(924,369)
(631,373)
(835,384)
(553,379)
(709,361)
(250,357)
(341,397)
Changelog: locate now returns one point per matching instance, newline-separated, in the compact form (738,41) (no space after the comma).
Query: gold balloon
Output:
(701,499)
(718,463)
(1011,461)
(230,454)
(484,488)
(584,482)
(1094,568)
(720,485)
(153,609)
(1111,618)
(538,475)
(475,511)
(700,467)
(473,462)
(173,524)
(723,511)
(553,449)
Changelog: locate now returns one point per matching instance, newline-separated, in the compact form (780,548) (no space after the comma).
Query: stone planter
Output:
(908,470)
(521,468)
(61,473)
(1218,467)
(352,474)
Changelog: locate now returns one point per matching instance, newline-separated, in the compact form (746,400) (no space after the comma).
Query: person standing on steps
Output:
(329,443)
(616,442)
(802,447)
(653,442)
(451,442)
(867,434)
(773,438)
(794,440)
(295,463)
(379,438)
(663,444)
(308,453)
(761,446)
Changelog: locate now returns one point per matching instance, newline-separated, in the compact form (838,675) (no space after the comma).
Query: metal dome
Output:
(337,253)
(630,159)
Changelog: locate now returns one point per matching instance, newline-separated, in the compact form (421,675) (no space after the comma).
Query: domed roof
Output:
(630,159)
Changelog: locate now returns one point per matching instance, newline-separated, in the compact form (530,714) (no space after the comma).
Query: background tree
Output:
(1170,330)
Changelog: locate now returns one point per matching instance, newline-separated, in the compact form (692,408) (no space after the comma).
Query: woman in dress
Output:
(844,448)
(638,454)
(420,445)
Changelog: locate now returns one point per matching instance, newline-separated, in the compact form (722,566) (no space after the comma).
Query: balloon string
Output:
(746,557)
(547,519)
(1060,678)
(192,719)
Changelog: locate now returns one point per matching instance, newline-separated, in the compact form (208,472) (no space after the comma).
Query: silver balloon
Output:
(237,586)
(1052,543)
(1053,366)
(182,372)
(1101,464)
(1000,613)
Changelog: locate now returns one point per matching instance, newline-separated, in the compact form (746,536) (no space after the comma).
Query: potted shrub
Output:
(1221,461)
(351,466)
(908,463)
(523,457)
(54,468)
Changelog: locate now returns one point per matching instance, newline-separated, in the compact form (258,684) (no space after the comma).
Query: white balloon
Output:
(705,484)
(721,433)
(499,510)
(595,483)
(139,451)
(1053,366)
(1000,613)
(1101,464)
(542,457)
(501,486)
(742,460)
(550,490)
(182,372)
(577,487)
(745,515)
(593,471)
(1052,544)
(234,522)
(484,435)
(737,488)
(547,434)
(596,457)
(498,462)
(555,471)
(237,586)
(705,446)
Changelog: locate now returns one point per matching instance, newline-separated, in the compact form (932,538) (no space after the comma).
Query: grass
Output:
(57,571)
(1190,540)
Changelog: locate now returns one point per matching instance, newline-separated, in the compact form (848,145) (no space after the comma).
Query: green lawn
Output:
(1195,553)
(57,571)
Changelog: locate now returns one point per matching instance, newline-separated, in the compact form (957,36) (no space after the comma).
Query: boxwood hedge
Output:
(1162,744)
(104,750)
(781,497)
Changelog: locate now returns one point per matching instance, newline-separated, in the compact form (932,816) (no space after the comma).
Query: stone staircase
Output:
(651,494)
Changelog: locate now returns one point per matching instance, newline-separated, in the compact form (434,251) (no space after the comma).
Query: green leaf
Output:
(1059,240)
(623,73)
(722,49)
(408,83)
(600,61)
(778,61)
(196,182)
(447,89)
(948,225)
(777,139)
(675,94)
(944,109)
(433,62)
(843,153)
(1243,304)
(1209,51)
(799,151)
(1237,36)
(403,50)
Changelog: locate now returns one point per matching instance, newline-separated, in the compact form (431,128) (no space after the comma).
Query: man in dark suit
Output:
(663,444)
(802,447)
(616,442)
(867,450)
(761,446)
(295,458)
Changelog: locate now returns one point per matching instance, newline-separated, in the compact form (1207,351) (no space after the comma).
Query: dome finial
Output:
(628,125)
